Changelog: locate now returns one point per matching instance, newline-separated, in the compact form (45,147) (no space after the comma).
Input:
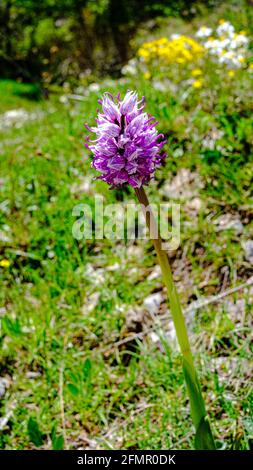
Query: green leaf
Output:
(74,377)
(57,441)
(73,389)
(204,439)
(34,432)
(11,327)
(196,399)
(86,370)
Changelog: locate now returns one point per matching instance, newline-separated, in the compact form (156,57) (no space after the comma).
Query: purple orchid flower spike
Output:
(127,148)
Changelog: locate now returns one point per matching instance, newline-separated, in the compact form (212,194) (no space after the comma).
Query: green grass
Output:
(64,303)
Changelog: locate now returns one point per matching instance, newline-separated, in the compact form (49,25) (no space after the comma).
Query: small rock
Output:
(184,185)
(135,251)
(113,267)
(90,303)
(154,337)
(236,309)
(84,185)
(248,248)
(228,222)
(153,302)
(209,141)
(135,319)
(195,204)
(4,238)
(155,273)
(132,271)
(171,335)
(3,386)
(32,374)
(2,390)
(95,275)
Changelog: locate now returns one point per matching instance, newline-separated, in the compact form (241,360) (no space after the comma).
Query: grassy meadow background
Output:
(88,351)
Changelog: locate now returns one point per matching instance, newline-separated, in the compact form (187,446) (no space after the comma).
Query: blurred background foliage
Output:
(50,41)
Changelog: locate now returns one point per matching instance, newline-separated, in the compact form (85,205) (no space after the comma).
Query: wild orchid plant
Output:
(127,150)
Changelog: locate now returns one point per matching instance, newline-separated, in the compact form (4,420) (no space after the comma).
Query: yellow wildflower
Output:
(197,83)
(143,53)
(147,75)
(231,73)
(162,41)
(4,263)
(222,21)
(180,60)
(196,72)
(180,49)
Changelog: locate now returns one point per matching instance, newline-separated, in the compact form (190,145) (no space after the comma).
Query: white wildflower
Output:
(130,68)
(175,36)
(204,32)
(225,29)
(94,87)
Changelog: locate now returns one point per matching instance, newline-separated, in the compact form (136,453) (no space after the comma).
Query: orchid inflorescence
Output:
(128,146)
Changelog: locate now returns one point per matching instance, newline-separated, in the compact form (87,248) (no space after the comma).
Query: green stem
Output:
(204,438)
